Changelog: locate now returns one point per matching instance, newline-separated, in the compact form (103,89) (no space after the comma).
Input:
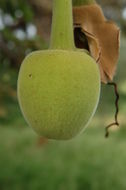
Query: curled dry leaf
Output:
(102,36)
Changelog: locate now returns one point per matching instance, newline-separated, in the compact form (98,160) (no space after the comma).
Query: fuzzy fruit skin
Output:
(58,92)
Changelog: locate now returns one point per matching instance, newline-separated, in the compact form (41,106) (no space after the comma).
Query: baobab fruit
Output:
(58,89)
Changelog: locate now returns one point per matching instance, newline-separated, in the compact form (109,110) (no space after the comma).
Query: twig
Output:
(117,109)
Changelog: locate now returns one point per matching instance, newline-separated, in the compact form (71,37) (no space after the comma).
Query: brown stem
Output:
(117,109)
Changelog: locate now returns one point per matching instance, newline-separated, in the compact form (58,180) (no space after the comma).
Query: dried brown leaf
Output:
(103,38)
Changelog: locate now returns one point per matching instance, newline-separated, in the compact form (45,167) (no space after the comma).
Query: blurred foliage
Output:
(11,7)
(16,18)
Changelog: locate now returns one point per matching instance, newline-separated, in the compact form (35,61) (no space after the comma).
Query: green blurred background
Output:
(27,161)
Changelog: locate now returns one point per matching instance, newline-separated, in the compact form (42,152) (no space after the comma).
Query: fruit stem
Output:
(83,2)
(62,36)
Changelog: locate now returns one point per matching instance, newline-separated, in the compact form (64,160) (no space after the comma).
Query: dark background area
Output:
(27,161)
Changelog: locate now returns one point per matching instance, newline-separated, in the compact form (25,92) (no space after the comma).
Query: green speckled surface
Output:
(58,92)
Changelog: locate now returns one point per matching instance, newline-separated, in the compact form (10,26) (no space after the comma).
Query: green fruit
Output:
(58,89)
(58,92)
